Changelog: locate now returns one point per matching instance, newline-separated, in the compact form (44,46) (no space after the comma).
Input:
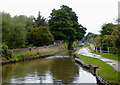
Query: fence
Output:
(103,49)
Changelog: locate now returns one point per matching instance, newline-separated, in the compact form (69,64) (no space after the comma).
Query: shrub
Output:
(6,53)
(40,36)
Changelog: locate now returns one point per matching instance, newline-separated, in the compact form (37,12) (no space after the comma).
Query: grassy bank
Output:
(106,55)
(40,52)
(105,71)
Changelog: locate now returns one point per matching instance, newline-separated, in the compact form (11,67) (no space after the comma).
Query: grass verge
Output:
(106,55)
(40,52)
(105,71)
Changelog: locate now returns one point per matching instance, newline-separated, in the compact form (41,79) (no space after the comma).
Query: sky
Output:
(92,14)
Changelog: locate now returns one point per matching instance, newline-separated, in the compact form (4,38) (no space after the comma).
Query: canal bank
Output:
(104,70)
(52,68)
(93,69)
(35,54)
(29,58)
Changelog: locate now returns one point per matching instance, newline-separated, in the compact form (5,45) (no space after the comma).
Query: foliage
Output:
(109,37)
(59,24)
(14,30)
(40,21)
(76,44)
(21,31)
(39,33)
(107,31)
(6,53)
(64,25)
(29,23)
(80,30)
(40,36)
(116,39)
(90,37)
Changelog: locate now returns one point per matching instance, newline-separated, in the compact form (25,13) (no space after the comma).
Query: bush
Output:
(6,53)
(40,36)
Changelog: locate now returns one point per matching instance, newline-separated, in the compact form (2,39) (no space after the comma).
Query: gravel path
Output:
(86,52)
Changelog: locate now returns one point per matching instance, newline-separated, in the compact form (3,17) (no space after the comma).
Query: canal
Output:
(53,69)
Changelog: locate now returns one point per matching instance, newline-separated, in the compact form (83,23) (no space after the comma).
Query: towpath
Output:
(87,52)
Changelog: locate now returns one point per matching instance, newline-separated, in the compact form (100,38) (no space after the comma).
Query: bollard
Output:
(93,69)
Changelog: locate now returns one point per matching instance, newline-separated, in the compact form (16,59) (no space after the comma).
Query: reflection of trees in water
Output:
(64,70)
(22,69)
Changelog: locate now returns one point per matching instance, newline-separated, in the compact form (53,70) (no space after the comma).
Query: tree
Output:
(80,30)
(29,23)
(64,25)
(40,36)
(116,39)
(107,34)
(14,30)
(90,37)
(107,29)
(40,21)
(61,26)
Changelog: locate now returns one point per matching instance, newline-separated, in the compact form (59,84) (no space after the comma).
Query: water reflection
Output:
(64,70)
(49,70)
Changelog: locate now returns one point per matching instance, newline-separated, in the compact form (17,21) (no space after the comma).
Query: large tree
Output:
(80,30)
(64,25)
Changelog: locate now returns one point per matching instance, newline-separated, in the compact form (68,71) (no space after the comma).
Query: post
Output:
(96,49)
(108,50)
(100,50)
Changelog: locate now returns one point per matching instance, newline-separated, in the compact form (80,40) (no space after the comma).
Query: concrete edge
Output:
(93,70)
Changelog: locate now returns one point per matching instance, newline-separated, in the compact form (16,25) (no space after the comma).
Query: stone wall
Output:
(56,43)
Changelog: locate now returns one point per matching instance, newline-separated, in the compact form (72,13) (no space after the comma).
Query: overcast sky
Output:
(92,14)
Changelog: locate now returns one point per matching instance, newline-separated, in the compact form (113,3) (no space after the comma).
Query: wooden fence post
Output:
(100,50)
(108,50)
(96,49)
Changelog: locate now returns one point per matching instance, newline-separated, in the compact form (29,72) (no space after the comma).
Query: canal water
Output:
(54,69)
